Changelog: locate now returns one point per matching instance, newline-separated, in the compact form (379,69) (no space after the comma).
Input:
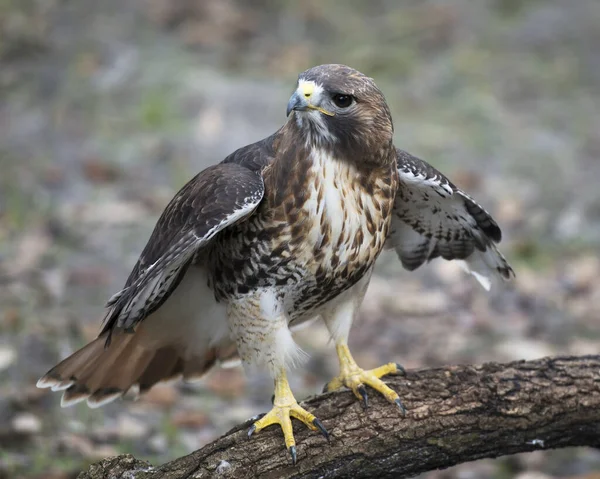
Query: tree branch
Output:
(455,414)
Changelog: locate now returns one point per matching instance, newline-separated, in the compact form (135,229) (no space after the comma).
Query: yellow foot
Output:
(356,378)
(285,407)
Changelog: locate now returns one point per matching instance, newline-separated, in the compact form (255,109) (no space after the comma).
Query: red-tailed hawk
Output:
(281,231)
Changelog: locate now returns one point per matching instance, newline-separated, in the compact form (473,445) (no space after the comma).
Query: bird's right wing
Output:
(432,217)
(177,342)
(216,198)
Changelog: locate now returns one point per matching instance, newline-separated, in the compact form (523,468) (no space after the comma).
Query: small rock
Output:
(27,423)
(7,357)
(131,428)
(54,282)
(210,124)
(158,444)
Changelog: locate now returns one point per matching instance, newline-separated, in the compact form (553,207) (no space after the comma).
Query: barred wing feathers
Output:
(216,198)
(433,218)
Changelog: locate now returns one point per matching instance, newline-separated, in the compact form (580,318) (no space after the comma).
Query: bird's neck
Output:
(297,164)
(368,152)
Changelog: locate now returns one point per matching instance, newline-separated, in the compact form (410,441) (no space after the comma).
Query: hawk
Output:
(281,231)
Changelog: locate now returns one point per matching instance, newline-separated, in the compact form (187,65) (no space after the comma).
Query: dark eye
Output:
(342,101)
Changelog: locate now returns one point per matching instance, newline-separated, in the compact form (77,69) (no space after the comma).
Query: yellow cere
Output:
(307,89)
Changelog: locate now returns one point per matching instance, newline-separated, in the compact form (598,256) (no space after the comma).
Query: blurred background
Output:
(108,108)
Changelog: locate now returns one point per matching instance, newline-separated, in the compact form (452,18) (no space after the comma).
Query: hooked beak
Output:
(297,102)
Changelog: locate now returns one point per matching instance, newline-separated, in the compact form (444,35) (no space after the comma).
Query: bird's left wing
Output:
(216,198)
(432,217)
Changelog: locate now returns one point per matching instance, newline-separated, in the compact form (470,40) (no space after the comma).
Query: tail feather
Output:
(164,365)
(95,359)
(101,374)
(119,371)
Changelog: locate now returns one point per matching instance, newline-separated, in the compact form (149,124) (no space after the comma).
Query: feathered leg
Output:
(260,328)
(338,317)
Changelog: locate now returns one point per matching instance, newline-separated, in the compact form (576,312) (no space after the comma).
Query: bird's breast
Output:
(346,215)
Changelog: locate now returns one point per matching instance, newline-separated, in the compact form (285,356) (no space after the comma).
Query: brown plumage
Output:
(281,231)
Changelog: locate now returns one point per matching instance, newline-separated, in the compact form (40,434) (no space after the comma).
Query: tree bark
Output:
(454,415)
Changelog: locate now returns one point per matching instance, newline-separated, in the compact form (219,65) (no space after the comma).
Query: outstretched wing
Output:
(432,217)
(216,198)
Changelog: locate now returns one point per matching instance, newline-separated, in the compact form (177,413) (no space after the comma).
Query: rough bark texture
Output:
(455,414)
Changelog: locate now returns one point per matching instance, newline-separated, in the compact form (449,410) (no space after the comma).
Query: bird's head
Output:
(335,106)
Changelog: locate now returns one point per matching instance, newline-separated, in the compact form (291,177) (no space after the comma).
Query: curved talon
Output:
(363,392)
(319,425)
(293,454)
(400,406)
(285,407)
(356,378)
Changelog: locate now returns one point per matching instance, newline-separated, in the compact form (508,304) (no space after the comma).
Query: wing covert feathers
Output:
(217,197)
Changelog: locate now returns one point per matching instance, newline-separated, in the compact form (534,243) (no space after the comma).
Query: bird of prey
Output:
(280,232)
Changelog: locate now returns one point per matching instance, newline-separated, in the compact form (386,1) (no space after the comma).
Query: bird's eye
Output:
(342,101)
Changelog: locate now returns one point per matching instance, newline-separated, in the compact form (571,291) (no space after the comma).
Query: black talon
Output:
(400,406)
(319,425)
(251,430)
(363,392)
(293,454)
(325,388)
(273,399)
(400,369)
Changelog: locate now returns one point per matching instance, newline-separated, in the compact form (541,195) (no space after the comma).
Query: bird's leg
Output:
(285,407)
(355,378)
